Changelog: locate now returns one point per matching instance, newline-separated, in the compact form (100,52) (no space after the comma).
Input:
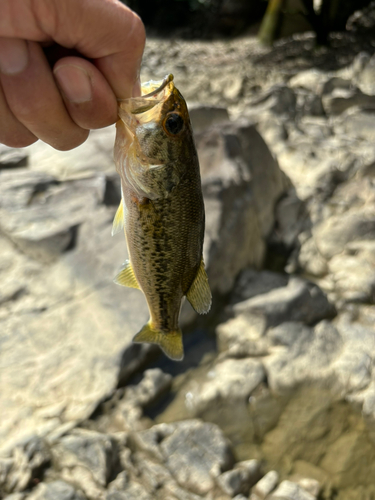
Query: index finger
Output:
(105,31)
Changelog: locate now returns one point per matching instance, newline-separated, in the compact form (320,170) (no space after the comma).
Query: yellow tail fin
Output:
(169,342)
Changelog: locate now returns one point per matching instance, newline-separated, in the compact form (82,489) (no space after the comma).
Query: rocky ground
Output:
(276,396)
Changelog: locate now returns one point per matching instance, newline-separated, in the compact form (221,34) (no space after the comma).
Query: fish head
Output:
(154,131)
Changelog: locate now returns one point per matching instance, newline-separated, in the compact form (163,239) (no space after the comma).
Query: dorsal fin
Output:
(199,294)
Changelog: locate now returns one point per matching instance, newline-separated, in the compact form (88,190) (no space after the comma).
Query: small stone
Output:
(233,88)
(94,451)
(359,124)
(134,491)
(239,480)
(242,336)
(27,463)
(266,485)
(12,157)
(195,453)
(312,486)
(300,300)
(290,491)
(153,384)
(57,490)
(367,77)
(230,380)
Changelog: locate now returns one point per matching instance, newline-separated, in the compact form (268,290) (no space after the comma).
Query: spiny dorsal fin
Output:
(126,276)
(169,342)
(199,294)
(118,221)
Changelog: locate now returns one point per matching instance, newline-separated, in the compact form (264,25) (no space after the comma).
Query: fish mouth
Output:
(153,93)
(148,107)
(155,87)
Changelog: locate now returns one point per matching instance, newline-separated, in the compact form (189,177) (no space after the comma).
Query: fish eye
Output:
(174,123)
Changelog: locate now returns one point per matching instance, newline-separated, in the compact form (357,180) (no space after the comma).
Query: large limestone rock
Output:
(241,184)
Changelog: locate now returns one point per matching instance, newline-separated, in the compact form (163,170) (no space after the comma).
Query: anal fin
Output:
(126,276)
(118,221)
(169,342)
(199,294)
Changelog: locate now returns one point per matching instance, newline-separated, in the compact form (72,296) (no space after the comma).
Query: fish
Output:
(161,211)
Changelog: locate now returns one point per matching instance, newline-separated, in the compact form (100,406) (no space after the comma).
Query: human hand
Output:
(103,41)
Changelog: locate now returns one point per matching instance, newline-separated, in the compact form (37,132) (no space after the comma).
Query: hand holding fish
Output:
(96,47)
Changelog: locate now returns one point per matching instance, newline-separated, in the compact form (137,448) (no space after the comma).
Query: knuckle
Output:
(138,31)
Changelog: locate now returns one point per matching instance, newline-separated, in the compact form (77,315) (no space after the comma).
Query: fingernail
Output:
(14,55)
(74,82)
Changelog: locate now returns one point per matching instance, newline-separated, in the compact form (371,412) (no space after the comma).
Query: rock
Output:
(358,124)
(202,117)
(290,219)
(12,158)
(265,485)
(196,453)
(134,491)
(233,88)
(154,384)
(300,300)
(335,83)
(241,182)
(230,380)
(352,272)
(43,221)
(19,189)
(334,234)
(312,486)
(366,77)
(311,79)
(352,368)
(242,336)
(57,490)
(96,452)
(340,100)
(241,478)
(291,491)
(309,476)
(79,323)
(306,355)
(279,99)
(92,157)
(309,258)
(150,439)
(344,463)
(251,283)
(313,106)
(27,464)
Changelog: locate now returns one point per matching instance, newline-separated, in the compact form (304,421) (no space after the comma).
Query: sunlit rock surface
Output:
(284,407)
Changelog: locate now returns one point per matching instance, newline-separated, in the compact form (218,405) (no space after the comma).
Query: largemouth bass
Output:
(161,210)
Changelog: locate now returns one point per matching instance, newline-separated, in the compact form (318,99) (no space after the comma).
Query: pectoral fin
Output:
(199,294)
(169,342)
(126,276)
(118,221)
